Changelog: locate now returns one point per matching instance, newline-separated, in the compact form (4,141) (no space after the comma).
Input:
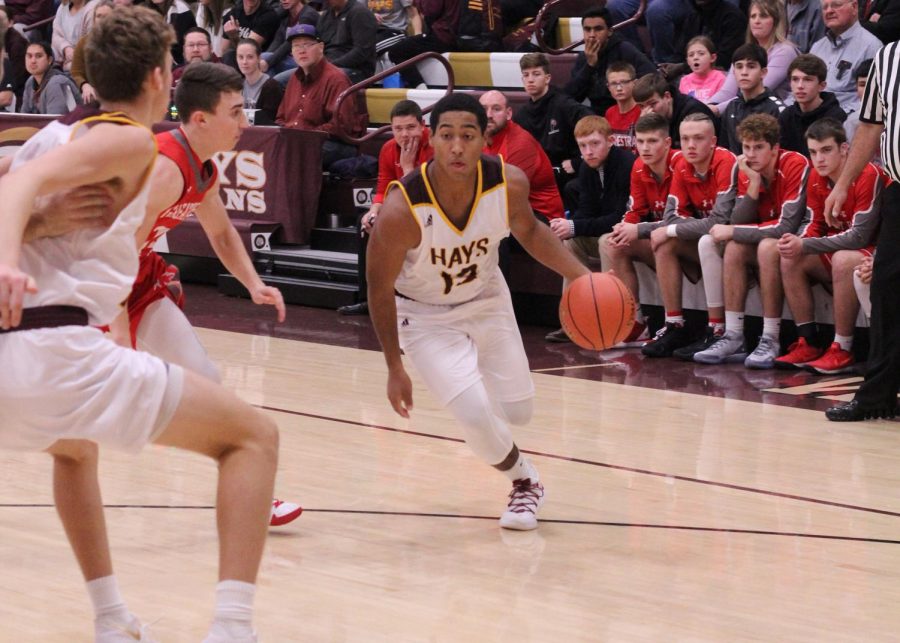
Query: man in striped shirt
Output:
(877,397)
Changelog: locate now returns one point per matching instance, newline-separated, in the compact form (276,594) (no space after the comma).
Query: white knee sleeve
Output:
(863,293)
(711,262)
(486,434)
(516,413)
(164,331)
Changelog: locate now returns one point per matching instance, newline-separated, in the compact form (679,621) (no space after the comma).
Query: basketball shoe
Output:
(709,338)
(765,353)
(107,630)
(728,349)
(834,360)
(283,513)
(799,354)
(638,336)
(524,501)
(666,340)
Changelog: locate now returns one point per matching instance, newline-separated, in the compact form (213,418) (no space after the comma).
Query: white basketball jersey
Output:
(452,265)
(93,268)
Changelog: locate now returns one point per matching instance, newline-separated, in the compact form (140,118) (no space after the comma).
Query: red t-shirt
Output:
(389,163)
(519,148)
(694,196)
(647,201)
(622,125)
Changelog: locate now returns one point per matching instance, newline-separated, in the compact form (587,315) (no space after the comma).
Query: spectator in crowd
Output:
(396,19)
(277,59)
(102,9)
(806,23)
(749,66)
(73,20)
(603,182)
(882,18)
(250,19)
(811,103)
(13,50)
(601,48)
(829,254)
(844,46)
(505,138)
(701,194)
(23,13)
(348,29)
(178,14)
(7,89)
(480,26)
(311,94)
(705,79)
(664,19)
(440,18)
(550,117)
(624,114)
(654,94)
(861,74)
(197,49)
(48,91)
(261,93)
(768,29)
(629,241)
(771,202)
(211,17)
(409,148)
(720,20)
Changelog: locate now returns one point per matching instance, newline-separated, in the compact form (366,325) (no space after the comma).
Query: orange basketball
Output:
(597,311)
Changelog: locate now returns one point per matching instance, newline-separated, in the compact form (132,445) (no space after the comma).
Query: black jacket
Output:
(350,37)
(551,120)
(590,82)
(721,21)
(794,123)
(602,205)
(739,109)
(682,105)
(887,29)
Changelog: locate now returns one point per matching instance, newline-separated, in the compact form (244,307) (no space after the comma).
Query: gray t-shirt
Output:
(251,91)
(391,13)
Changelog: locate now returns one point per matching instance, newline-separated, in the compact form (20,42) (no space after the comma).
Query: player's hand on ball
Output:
(399,392)
(272,297)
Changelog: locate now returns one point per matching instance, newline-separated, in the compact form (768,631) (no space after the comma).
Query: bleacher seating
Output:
(568,30)
(492,70)
(379,102)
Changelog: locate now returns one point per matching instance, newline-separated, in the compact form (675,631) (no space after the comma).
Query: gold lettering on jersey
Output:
(459,255)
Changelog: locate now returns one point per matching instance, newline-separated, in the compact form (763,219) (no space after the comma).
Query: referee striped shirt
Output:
(881,102)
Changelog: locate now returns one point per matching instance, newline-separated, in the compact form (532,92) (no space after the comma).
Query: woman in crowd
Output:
(73,20)
(261,93)
(178,14)
(209,16)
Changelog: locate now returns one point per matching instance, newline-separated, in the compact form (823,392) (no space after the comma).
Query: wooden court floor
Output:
(669,517)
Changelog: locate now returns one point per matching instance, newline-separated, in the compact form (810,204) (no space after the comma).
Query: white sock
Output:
(734,322)
(772,327)
(677,319)
(233,617)
(846,342)
(107,600)
(522,469)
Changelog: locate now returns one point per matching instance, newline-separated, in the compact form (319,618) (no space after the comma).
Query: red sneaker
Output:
(835,360)
(799,355)
(638,336)
(284,512)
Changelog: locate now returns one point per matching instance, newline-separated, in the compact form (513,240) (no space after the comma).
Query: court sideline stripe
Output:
(551,521)
(605,465)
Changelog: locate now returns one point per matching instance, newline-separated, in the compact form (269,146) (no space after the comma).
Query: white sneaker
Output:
(109,631)
(524,501)
(765,353)
(283,513)
(728,349)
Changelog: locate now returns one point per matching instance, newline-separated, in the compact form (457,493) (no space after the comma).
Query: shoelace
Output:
(524,496)
(766,344)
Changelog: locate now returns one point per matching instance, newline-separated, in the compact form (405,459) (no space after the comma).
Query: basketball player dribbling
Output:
(66,388)
(185,182)
(435,289)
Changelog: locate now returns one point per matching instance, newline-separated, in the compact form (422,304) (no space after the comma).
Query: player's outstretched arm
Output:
(395,233)
(536,238)
(226,243)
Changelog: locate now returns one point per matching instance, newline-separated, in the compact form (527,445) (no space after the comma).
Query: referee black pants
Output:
(879,391)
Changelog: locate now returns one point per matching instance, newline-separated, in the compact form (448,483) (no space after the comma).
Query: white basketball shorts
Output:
(73,382)
(453,347)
